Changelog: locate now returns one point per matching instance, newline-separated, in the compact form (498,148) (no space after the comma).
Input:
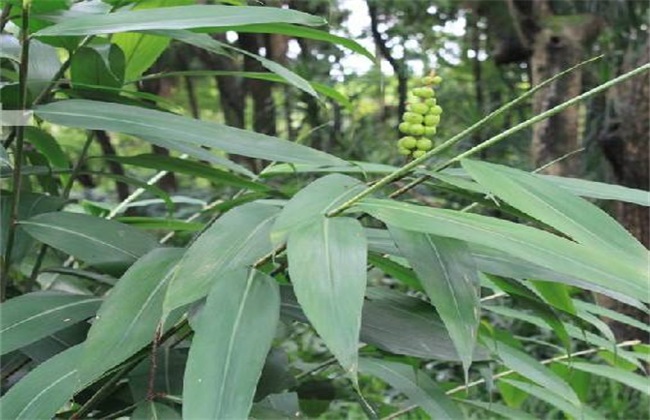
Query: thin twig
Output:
(510,372)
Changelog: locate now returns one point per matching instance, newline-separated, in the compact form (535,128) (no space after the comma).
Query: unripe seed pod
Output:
(419,108)
(431,120)
(403,151)
(405,127)
(429,131)
(431,102)
(407,142)
(418,153)
(412,117)
(417,129)
(424,144)
(436,110)
(425,92)
(437,80)
(427,80)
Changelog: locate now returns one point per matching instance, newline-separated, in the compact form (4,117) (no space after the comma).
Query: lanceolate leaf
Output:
(502,410)
(127,320)
(235,240)
(150,410)
(105,244)
(449,277)
(151,124)
(310,203)
(534,245)
(562,210)
(180,17)
(230,344)
(327,265)
(630,379)
(415,384)
(44,390)
(30,317)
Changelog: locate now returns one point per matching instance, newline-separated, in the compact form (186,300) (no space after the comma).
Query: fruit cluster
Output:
(421,118)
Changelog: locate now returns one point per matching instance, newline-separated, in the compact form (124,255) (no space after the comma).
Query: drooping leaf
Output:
(327,266)
(150,410)
(231,341)
(574,216)
(449,277)
(415,384)
(105,244)
(154,125)
(160,223)
(606,312)
(502,410)
(556,294)
(532,369)
(127,320)
(47,145)
(310,203)
(235,240)
(525,242)
(44,390)
(276,376)
(396,270)
(630,379)
(33,316)
(89,67)
(179,17)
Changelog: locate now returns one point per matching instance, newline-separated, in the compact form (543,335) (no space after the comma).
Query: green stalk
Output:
(490,142)
(20,144)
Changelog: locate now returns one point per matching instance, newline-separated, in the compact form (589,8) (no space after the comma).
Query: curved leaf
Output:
(150,124)
(179,17)
(235,240)
(448,274)
(30,317)
(415,384)
(150,410)
(231,341)
(327,265)
(99,242)
(630,379)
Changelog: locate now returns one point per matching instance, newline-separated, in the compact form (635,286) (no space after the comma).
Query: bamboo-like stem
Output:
(18,156)
(510,372)
(400,173)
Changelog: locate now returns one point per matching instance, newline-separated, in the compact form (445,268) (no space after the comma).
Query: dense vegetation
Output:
(225,211)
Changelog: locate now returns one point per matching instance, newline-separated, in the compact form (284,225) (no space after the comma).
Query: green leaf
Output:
(578,411)
(395,270)
(180,17)
(499,409)
(183,166)
(600,190)
(150,410)
(160,223)
(530,368)
(90,68)
(353,167)
(608,313)
(558,295)
(153,125)
(44,390)
(30,317)
(241,237)
(415,384)
(576,217)
(630,379)
(127,320)
(167,376)
(533,245)
(447,272)
(231,341)
(327,265)
(99,242)
(313,201)
(49,147)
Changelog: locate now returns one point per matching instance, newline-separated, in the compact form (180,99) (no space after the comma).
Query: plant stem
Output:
(4,16)
(18,157)
(510,372)
(490,142)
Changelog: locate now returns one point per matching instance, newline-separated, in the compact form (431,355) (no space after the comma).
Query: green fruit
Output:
(418,153)
(420,108)
(424,92)
(403,151)
(436,110)
(427,80)
(412,117)
(405,127)
(436,80)
(431,120)
(431,102)
(424,144)
(407,142)
(429,131)
(417,129)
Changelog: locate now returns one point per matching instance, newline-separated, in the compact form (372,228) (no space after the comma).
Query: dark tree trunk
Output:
(114,167)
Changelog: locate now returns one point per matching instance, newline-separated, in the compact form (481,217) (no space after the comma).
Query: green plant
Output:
(202,328)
